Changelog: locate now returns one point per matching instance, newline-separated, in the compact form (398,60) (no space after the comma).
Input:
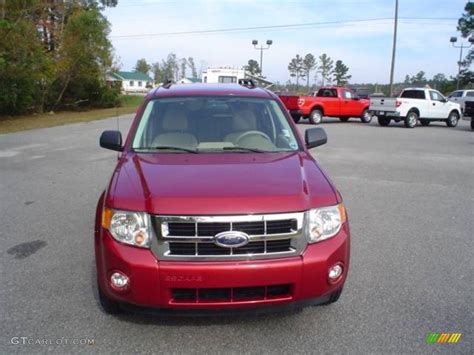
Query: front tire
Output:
(366,116)
(316,116)
(383,121)
(425,122)
(411,119)
(453,119)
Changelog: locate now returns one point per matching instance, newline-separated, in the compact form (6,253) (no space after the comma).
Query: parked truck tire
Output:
(411,119)
(316,116)
(366,117)
(296,118)
(453,119)
(383,121)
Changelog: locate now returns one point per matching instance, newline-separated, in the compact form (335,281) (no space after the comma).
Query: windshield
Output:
(214,124)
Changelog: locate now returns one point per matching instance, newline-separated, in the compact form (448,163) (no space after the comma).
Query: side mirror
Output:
(314,137)
(111,140)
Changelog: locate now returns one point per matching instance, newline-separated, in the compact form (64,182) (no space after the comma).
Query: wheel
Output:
(425,122)
(453,119)
(344,119)
(411,119)
(109,306)
(296,119)
(383,121)
(316,116)
(334,297)
(366,116)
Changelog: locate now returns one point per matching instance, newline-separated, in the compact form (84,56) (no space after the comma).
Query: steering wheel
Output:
(255,133)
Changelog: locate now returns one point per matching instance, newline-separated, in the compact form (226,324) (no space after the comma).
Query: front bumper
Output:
(153,282)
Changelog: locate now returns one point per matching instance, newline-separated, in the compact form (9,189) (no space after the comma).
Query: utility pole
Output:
(3,9)
(394,49)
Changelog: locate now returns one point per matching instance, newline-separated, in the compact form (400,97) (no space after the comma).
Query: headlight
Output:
(324,223)
(128,227)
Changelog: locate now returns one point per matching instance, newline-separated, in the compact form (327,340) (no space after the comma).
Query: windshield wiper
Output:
(165,147)
(255,150)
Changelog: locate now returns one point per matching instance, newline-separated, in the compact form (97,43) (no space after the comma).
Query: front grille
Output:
(209,248)
(236,294)
(192,237)
(191,229)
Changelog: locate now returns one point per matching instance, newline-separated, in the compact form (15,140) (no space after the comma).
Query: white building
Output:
(131,82)
(188,81)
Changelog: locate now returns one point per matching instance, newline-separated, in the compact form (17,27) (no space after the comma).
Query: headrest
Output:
(175,120)
(244,120)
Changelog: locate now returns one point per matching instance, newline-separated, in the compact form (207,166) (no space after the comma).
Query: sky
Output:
(364,46)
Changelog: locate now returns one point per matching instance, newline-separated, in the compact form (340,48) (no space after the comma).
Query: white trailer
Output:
(223,75)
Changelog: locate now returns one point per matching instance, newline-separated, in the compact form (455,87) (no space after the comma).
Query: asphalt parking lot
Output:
(410,197)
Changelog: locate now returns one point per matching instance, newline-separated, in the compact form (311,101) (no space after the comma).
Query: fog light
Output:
(335,272)
(119,280)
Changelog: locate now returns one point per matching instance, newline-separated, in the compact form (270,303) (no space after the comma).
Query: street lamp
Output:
(262,48)
(453,40)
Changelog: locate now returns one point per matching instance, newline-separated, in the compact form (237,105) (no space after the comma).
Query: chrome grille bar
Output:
(165,225)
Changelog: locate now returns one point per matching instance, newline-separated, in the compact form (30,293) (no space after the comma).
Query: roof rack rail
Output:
(248,83)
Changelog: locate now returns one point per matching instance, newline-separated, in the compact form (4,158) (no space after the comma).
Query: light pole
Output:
(262,48)
(461,47)
(394,47)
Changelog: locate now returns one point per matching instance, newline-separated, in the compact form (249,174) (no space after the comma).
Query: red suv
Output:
(216,204)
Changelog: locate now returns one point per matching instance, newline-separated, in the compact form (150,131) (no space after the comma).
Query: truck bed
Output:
(290,102)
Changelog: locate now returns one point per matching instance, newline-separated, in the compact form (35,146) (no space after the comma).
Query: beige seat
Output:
(242,122)
(175,125)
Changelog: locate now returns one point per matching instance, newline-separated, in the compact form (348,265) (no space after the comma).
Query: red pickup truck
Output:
(339,102)
(216,204)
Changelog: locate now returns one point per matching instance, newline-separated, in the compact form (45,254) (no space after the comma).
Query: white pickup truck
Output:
(461,96)
(415,104)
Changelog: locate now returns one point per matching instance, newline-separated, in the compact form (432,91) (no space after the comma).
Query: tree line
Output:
(171,68)
(54,55)
(302,67)
(439,82)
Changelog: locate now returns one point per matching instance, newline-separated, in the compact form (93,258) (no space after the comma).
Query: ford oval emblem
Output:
(231,239)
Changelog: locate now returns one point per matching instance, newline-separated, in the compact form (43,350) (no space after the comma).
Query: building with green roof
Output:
(131,82)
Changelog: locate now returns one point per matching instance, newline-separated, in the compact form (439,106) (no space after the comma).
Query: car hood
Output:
(219,184)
